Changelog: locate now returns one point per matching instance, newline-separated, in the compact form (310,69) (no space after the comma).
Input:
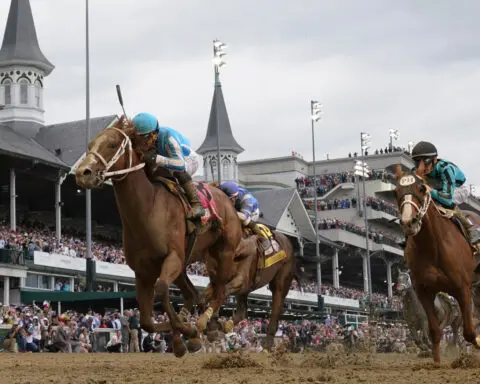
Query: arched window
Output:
(7,92)
(213,169)
(23,91)
(38,93)
(226,170)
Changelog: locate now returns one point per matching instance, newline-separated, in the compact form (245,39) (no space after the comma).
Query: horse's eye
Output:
(423,189)
(113,145)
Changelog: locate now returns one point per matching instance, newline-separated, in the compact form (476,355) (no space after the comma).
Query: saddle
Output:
(211,219)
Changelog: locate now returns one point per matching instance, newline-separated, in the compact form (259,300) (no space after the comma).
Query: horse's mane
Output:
(126,126)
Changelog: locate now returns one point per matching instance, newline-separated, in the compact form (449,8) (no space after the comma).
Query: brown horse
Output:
(437,254)
(155,227)
(249,277)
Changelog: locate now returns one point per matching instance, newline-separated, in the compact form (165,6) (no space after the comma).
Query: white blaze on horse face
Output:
(407,210)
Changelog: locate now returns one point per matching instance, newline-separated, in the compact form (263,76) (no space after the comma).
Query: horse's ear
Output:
(398,171)
(213,184)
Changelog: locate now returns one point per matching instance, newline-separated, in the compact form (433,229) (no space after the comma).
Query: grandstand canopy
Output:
(283,210)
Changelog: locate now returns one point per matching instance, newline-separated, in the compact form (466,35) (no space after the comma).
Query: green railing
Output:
(10,256)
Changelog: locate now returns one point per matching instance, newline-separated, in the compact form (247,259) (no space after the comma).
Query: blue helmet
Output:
(230,188)
(145,123)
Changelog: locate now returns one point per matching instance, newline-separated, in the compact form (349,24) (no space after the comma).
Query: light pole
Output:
(394,135)
(365,144)
(316,112)
(218,62)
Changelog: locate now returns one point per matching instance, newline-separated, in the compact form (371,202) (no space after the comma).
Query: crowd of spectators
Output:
(42,240)
(326,182)
(372,202)
(377,237)
(35,329)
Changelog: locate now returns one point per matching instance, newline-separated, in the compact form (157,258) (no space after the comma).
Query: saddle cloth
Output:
(206,199)
(270,251)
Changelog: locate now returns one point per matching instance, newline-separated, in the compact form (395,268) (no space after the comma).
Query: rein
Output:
(126,144)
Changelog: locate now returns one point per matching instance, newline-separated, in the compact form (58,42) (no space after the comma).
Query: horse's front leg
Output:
(427,300)
(172,268)
(144,288)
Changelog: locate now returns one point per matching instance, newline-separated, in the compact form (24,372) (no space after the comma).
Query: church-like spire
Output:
(20,43)
(219,120)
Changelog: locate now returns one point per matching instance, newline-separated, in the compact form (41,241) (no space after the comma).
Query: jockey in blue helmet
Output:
(168,148)
(444,180)
(245,204)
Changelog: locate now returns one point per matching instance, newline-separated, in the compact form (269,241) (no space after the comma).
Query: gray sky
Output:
(375,64)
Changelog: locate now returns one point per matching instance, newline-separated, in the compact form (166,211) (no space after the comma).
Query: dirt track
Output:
(160,368)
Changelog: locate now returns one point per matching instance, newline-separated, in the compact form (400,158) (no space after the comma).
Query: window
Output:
(213,169)
(226,170)
(37,281)
(24,91)
(7,91)
(38,90)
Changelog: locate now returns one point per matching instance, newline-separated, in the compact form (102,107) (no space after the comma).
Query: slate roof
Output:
(274,202)
(20,43)
(219,118)
(70,138)
(13,143)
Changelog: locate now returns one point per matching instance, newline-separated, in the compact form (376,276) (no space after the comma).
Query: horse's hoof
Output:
(477,342)
(179,348)
(194,345)
(228,326)
(202,323)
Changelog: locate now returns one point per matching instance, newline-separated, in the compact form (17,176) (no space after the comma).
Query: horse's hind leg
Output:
(241,310)
(427,300)
(279,288)
(464,301)
(191,298)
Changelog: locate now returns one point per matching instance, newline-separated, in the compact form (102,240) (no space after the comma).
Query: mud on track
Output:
(262,369)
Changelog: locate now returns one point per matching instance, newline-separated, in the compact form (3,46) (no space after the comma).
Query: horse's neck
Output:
(135,200)
(430,230)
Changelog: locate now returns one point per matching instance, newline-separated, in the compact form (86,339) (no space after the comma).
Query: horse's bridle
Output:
(126,144)
(424,201)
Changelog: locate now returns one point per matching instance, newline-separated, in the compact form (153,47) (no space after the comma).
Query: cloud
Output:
(375,65)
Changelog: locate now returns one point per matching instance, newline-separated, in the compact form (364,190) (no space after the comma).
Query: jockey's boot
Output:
(473,235)
(192,196)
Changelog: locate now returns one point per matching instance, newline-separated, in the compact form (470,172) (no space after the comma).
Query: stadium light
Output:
(317,110)
(316,113)
(218,62)
(363,172)
(219,54)
(394,135)
(410,146)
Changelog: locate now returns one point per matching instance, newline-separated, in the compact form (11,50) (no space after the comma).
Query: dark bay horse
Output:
(155,233)
(448,313)
(437,254)
(249,277)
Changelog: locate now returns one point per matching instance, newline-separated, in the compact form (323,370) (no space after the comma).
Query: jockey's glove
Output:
(150,157)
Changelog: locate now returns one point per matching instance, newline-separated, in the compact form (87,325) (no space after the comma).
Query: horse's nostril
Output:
(87,172)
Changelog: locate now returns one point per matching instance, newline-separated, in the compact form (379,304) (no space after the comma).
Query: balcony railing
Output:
(15,257)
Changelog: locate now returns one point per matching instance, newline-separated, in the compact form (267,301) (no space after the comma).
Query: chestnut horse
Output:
(278,276)
(155,233)
(437,254)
